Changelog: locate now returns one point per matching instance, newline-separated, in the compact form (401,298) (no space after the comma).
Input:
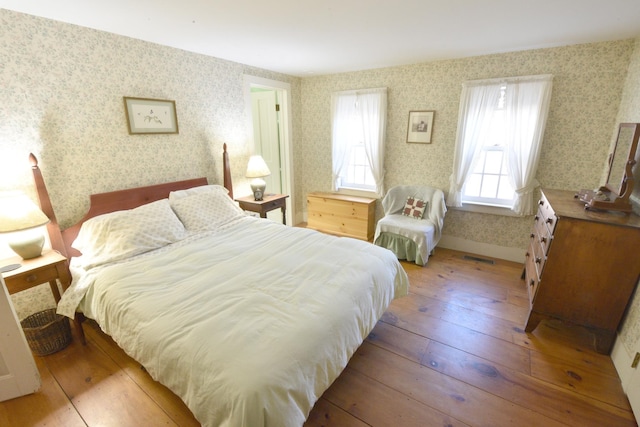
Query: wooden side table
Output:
(268,203)
(48,267)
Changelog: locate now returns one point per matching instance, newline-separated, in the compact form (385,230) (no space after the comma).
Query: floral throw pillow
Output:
(414,208)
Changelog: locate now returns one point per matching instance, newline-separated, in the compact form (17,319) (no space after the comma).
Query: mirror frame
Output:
(621,185)
(613,196)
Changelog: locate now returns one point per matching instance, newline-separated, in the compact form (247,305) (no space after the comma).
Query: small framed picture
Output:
(146,115)
(420,126)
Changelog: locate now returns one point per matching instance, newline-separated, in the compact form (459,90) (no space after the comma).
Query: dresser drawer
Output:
(531,274)
(274,204)
(539,257)
(542,232)
(29,279)
(547,214)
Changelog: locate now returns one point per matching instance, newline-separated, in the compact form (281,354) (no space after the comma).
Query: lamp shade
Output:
(18,212)
(257,168)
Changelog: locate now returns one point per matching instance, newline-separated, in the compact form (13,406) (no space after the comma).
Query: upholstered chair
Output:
(412,222)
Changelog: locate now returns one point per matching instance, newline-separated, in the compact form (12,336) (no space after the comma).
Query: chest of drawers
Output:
(342,215)
(582,266)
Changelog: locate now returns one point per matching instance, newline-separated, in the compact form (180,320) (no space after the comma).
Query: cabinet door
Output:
(18,371)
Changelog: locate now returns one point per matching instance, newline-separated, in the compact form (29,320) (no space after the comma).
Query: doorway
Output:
(269,114)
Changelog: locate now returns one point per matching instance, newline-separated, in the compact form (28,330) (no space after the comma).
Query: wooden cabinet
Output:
(342,215)
(581,266)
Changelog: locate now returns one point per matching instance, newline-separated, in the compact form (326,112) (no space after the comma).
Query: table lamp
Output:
(21,217)
(257,169)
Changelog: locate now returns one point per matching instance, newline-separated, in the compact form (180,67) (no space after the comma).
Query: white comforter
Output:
(248,325)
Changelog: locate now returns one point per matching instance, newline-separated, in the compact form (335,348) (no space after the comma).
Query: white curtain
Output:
(343,111)
(373,113)
(368,109)
(527,107)
(477,103)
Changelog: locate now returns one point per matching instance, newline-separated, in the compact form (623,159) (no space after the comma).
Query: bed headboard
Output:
(102,203)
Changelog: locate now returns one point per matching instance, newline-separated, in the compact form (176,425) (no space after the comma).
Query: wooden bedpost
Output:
(53,228)
(227,170)
(55,235)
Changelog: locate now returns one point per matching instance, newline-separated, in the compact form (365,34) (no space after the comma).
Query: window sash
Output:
(488,183)
(357,173)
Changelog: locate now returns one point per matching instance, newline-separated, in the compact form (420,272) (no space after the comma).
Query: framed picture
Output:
(420,126)
(146,115)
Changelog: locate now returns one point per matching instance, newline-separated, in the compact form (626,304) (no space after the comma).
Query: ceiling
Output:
(303,37)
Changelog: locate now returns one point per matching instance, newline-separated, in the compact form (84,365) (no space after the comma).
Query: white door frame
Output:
(19,374)
(286,129)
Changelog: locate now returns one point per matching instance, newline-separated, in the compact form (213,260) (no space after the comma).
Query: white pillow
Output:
(179,194)
(206,210)
(122,234)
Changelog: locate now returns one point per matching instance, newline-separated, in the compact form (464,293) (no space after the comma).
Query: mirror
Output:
(624,151)
(620,181)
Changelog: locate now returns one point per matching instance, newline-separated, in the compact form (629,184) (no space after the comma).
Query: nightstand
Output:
(268,203)
(48,267)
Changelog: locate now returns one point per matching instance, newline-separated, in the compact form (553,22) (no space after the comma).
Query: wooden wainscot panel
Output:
(342,215)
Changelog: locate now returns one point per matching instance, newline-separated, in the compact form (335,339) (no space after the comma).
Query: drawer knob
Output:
(543,239)
(531,283)
(535,218)
(527,255)
(532,235)
(31,278)
(538,260)
(541,202)
(549,220)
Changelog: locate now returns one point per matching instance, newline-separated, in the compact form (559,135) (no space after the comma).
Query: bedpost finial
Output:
(33,160)
(224,147)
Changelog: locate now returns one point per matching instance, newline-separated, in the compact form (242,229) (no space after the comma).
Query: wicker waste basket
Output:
(46,332)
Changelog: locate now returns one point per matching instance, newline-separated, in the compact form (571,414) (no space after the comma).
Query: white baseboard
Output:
(486,249)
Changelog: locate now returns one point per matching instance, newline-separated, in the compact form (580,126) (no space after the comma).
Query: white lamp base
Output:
(27,245)
(258,186)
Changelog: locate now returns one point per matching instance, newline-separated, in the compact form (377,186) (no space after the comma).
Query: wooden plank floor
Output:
(452,353)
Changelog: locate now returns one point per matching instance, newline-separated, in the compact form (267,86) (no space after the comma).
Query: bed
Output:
(248,321)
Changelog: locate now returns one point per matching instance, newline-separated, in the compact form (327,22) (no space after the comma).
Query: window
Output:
(358,131)
(498,142)
(488,183)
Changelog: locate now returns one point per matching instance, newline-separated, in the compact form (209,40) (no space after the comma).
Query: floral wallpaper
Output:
(62,89)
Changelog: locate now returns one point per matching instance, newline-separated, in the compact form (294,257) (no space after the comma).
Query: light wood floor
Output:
(452,353)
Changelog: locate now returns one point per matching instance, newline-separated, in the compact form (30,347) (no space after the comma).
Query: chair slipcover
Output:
(409,238)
